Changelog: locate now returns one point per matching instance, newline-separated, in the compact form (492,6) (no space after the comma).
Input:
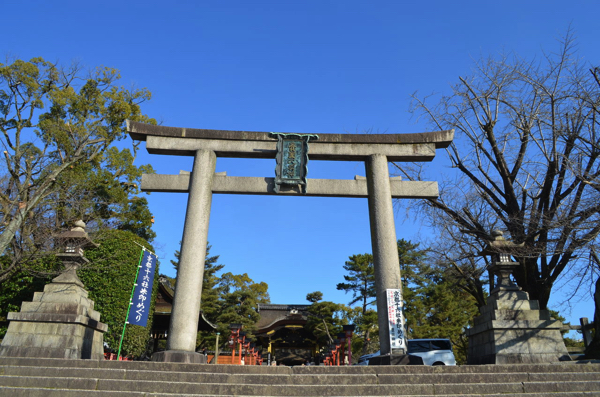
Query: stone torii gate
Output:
(376,150)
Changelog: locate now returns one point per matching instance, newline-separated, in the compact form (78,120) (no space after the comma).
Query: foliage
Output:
(571,342)
(109,283)
(102,194)
(361,282)
(325,319)
(238,301)
(58,126)
(210,281)
(313,297)
(366,333)
(525,160)
(21,286)
(226,299)
(433,306)
(210,292)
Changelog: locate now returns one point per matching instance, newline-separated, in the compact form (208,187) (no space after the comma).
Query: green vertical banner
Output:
(142,294)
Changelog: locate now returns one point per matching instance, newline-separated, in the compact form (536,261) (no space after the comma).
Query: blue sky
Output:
(289,66)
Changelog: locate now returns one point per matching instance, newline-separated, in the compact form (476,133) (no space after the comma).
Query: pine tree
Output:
(361,282)
(324,320)
(239,297)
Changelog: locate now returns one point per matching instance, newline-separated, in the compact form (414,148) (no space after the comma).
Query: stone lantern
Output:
(511,328)
(61,321)
(502,265)
(71,244)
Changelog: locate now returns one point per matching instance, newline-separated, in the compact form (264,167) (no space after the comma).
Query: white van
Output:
(432,351)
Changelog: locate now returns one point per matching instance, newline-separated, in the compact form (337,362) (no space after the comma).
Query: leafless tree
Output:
(525,160)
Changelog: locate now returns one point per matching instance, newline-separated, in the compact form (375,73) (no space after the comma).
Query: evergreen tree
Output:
(58,127)
(238,300)
(210,287)
(325,319)
(210,291)
(433,306)
(361,282)
(226,299)
(366,333)
(211,294)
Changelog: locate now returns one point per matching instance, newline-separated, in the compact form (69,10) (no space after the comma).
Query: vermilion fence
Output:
(113,356)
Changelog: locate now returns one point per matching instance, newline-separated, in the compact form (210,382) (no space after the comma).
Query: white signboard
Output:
(396,318)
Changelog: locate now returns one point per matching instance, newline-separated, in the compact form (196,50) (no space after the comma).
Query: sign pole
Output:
(130,302)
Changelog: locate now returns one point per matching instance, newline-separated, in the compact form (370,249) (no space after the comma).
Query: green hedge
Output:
(109,279)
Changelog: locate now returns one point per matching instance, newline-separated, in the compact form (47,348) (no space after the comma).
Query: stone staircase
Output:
(33,377)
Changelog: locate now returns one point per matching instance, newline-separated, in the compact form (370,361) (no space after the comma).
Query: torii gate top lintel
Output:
(139,132)
(225,143)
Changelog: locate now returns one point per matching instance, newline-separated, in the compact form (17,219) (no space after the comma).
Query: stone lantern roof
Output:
(77,235)
(499,245)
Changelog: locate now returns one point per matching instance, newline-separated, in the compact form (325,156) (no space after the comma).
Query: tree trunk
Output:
(365,348)
(593,350)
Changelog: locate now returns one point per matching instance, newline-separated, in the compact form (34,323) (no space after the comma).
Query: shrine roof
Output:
(286,307)
(270,315)
(140,131)
(165,293)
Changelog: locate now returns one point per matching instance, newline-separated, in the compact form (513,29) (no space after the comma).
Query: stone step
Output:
(295,379)
(32,392)
(265,389)
(66,378)
(562,367)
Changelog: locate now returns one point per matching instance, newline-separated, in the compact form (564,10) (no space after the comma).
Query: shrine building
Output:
(282,333)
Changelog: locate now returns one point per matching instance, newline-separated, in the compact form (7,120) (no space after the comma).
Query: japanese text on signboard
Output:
(292,160)
(140,307)
(396,318)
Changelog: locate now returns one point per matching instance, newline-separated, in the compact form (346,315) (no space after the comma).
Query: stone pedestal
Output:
(512,329)
(59,323)
(179,356)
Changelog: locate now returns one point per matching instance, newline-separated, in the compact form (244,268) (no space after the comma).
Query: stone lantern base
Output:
(511,329)
(59,323)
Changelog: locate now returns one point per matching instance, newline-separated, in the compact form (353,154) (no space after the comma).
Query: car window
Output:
(423,346)
(418,346)
(441,345)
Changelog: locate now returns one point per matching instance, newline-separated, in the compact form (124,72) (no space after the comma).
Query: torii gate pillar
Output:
(181,343)
(383,241)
